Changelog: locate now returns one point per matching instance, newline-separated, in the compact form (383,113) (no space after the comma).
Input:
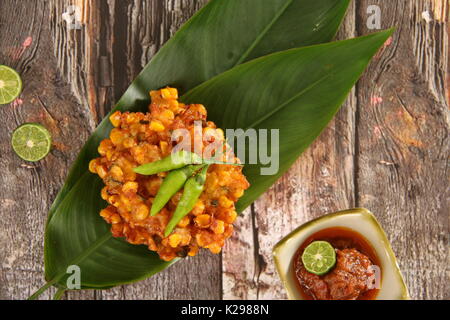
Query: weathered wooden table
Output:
(387,150)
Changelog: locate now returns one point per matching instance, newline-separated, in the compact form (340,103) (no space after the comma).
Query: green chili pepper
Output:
(174,181)
(175,161)
(192,191)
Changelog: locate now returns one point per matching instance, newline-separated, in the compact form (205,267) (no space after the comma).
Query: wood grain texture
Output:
(27,190)
(72,78)
(116,47)
(320,181)
(386,150)
(403,141)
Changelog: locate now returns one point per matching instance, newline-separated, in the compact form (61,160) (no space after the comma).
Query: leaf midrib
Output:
(85,253)
(238,62)
(286,103)
(107,236)
(263,33)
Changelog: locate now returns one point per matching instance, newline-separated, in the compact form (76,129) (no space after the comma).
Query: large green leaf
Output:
(212,42)
(222,35)
(297,91)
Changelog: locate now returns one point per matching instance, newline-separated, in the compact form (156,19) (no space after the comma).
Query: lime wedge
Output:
(31,141)
(319,257)
(10,85)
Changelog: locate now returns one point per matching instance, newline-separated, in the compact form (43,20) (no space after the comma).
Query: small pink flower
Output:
(375,100)
(28,41)
(17,102)
(388,42)
(377,132)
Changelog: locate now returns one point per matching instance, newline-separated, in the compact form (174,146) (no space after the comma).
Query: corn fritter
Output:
(140,138)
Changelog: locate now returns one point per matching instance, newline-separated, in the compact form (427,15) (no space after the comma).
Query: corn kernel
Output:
(185,239)
(215,248)
(116,137)
(115,118)
(115,218)
(141,212)
(116,173)
(93,166)
(169,93)
(201,241)
(104,193)
(154,94)
(114,200)
(238,193)
(129,143)
(225,202)
(130,175)
(165,93)
(173,93)
(130,187)
(104,146)
(201,108)
(231,216)
(101,171)
(175,106)
(168,115)
(174,240)
(199,208)
(193,250)
(228,231)
(218,227)
(184,222)
(164,147)
(125,201)
(203,221)
(132,118)
(156,126)
(117,230)
(109,155)
(105,214)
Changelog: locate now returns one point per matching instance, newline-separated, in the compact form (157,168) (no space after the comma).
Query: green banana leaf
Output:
(220,36)
(297,92)
(307,84)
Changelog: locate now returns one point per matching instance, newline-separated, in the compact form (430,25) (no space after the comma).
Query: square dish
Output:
(360,220)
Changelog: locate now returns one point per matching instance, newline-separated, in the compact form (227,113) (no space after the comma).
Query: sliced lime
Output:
(10,85)
(319,257)
(31,141)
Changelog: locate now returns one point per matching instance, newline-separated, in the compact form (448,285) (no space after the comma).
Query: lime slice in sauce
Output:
(319,257)
(10,85)
(31,141)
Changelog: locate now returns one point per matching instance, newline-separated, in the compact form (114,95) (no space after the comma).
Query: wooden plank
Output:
(140,29)
(321,181)
(403,140)
(116,41)
(28,189)
(90,78)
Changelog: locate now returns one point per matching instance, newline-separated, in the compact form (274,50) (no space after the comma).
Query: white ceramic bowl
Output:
(360,220)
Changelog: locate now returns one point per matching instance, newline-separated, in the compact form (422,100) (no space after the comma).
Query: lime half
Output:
(10,85)
(319,257)
(31,141)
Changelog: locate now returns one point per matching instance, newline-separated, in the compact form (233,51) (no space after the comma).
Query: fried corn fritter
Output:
(140,138)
